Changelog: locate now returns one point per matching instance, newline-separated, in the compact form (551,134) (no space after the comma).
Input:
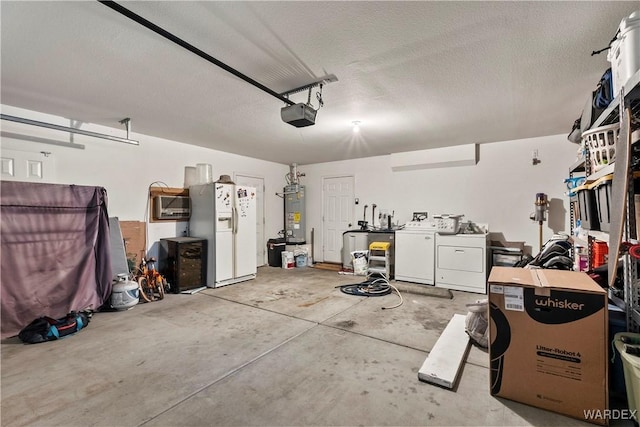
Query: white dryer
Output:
(462,262)
(415,249)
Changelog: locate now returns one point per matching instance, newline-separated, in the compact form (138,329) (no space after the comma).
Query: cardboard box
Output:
(548,337)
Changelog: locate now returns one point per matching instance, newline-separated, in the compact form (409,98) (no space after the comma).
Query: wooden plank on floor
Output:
(443,364)
(328,266)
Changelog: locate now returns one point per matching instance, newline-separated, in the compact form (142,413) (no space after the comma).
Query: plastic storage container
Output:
(301,260)
(190,176)
(587,211)
(617,323)
(503,257)
(602,193)
(624,54)
(573,183)
(600,254)
(205,173)
(631,367)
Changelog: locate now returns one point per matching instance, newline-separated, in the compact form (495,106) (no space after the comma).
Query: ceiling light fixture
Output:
(356,126)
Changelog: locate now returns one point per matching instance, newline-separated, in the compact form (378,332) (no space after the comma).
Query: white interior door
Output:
(35,166)
(337,207)
(256,182)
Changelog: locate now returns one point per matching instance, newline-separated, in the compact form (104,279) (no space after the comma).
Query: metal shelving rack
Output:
(578,167)
(630,99)
(627,298)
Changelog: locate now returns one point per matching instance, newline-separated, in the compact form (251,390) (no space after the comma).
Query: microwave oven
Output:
(172,207)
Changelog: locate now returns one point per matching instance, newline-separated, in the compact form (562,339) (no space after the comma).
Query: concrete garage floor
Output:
(285,349)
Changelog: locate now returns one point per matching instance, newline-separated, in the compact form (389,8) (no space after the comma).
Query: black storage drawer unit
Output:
(183,262)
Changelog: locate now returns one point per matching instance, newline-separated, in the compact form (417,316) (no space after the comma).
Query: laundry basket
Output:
(601,143)
(447,224)
(631,367)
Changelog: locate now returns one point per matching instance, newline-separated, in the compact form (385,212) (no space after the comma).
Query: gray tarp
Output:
(55,254)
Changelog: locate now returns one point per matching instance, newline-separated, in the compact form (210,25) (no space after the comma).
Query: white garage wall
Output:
(126,171)
(499,190)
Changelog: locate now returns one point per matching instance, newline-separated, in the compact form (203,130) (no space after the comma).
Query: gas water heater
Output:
(294,210)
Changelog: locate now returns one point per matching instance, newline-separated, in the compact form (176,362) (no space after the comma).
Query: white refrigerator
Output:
(225,215)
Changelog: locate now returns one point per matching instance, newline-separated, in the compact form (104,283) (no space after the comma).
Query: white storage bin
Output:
(624,54)
(631,367)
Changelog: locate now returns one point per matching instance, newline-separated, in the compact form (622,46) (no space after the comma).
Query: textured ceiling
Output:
(415,74)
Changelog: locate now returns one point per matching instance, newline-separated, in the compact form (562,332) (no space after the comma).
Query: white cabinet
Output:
(462,262)
(415,257)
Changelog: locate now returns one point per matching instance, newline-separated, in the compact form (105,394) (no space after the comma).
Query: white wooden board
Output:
(443,364)
(119,263)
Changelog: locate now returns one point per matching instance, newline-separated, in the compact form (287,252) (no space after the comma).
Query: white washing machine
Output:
(415,252)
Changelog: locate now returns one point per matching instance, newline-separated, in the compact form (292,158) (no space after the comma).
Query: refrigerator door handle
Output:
(234,219)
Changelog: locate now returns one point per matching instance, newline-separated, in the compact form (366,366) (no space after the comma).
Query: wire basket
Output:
(601,143)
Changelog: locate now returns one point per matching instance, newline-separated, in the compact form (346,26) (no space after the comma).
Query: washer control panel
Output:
(420,225)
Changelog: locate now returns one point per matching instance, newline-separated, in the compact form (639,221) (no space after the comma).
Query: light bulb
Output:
(356,126)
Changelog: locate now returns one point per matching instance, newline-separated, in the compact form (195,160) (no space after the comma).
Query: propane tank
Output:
(124,294)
